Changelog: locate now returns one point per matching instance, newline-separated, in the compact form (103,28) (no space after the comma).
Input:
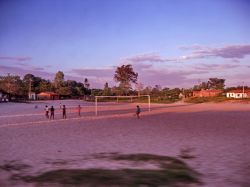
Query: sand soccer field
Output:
(208,141)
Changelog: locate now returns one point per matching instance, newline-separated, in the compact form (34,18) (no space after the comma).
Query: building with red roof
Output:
(48,96)
(206,93)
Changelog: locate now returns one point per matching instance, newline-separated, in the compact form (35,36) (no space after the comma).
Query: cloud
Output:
(21,71)
(192,47)
(234,52)
(21,64)
(230,51)
(168,78)
(37,68)
(146,58)
(150,57)
(17,59)
(209,67)
(142,66)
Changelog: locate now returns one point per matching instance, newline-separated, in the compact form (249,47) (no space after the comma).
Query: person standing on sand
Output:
(138,111)
(79,110)
(52,112)
(64,112)
(47,112)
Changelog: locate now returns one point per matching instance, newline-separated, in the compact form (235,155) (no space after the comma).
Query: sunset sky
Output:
(172,43)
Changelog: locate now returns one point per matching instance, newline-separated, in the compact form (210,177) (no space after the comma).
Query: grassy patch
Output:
(171,172)
(145,157)
(57,162)
(14,166)
(121,177)
(186,153)
(206,99)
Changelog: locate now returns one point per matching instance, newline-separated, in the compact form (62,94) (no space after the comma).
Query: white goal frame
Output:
(117,97)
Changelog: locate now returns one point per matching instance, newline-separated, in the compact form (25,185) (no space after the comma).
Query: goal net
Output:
(120,102)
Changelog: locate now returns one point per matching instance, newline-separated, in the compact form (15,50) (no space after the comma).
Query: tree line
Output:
(16,87)
(124,75)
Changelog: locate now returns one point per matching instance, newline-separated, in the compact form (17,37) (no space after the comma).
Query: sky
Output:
(169,43)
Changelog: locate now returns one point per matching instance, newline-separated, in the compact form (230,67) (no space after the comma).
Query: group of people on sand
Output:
(50,112)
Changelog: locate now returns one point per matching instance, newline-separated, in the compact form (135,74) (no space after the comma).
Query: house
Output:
(47,96)
(239,93)
(206,93)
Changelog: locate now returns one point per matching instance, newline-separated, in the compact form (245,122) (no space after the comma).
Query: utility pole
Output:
(243,89)
(29,96)
(9,86)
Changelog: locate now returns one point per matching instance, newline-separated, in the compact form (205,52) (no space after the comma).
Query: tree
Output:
(156,91)
(81,90)
(106,90)
(12,85)
(44,86)
(87,87)
(147,90)
(86,83)
(174,93)
(217,84)
(59,80)
(125,75)
(28,81)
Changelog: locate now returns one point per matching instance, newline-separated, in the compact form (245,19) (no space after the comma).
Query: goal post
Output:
(117,100)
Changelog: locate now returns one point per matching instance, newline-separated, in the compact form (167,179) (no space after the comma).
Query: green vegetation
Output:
(14,166)
(169,171)
(164,99)
(213,99)
(153,99)
(212,83)
(121,177)
(16,88)
(205,99)
(125,75)
(186,153)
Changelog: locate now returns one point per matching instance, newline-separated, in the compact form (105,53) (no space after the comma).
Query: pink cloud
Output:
(146,57)
(230,51)
(210,67)
(37,68)
(19,59)
(151,57)
(21,71)
(193,47)
(233,52)
(167,78)
(142,66)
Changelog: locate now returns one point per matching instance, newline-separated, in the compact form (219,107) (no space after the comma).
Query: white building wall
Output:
(236,95)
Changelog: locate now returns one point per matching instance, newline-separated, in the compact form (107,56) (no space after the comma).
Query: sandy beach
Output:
(215,135)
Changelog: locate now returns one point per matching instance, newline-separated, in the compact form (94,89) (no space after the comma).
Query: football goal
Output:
(122,99)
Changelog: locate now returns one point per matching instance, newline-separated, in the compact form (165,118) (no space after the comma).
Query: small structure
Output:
(3,96)
(48,96)
(238,94)
(206,93)
(181,96)
(32,96)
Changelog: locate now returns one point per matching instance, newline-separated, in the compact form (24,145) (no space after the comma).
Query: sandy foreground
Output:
(216,135)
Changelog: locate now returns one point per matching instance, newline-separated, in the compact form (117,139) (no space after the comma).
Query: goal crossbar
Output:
(96,100)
